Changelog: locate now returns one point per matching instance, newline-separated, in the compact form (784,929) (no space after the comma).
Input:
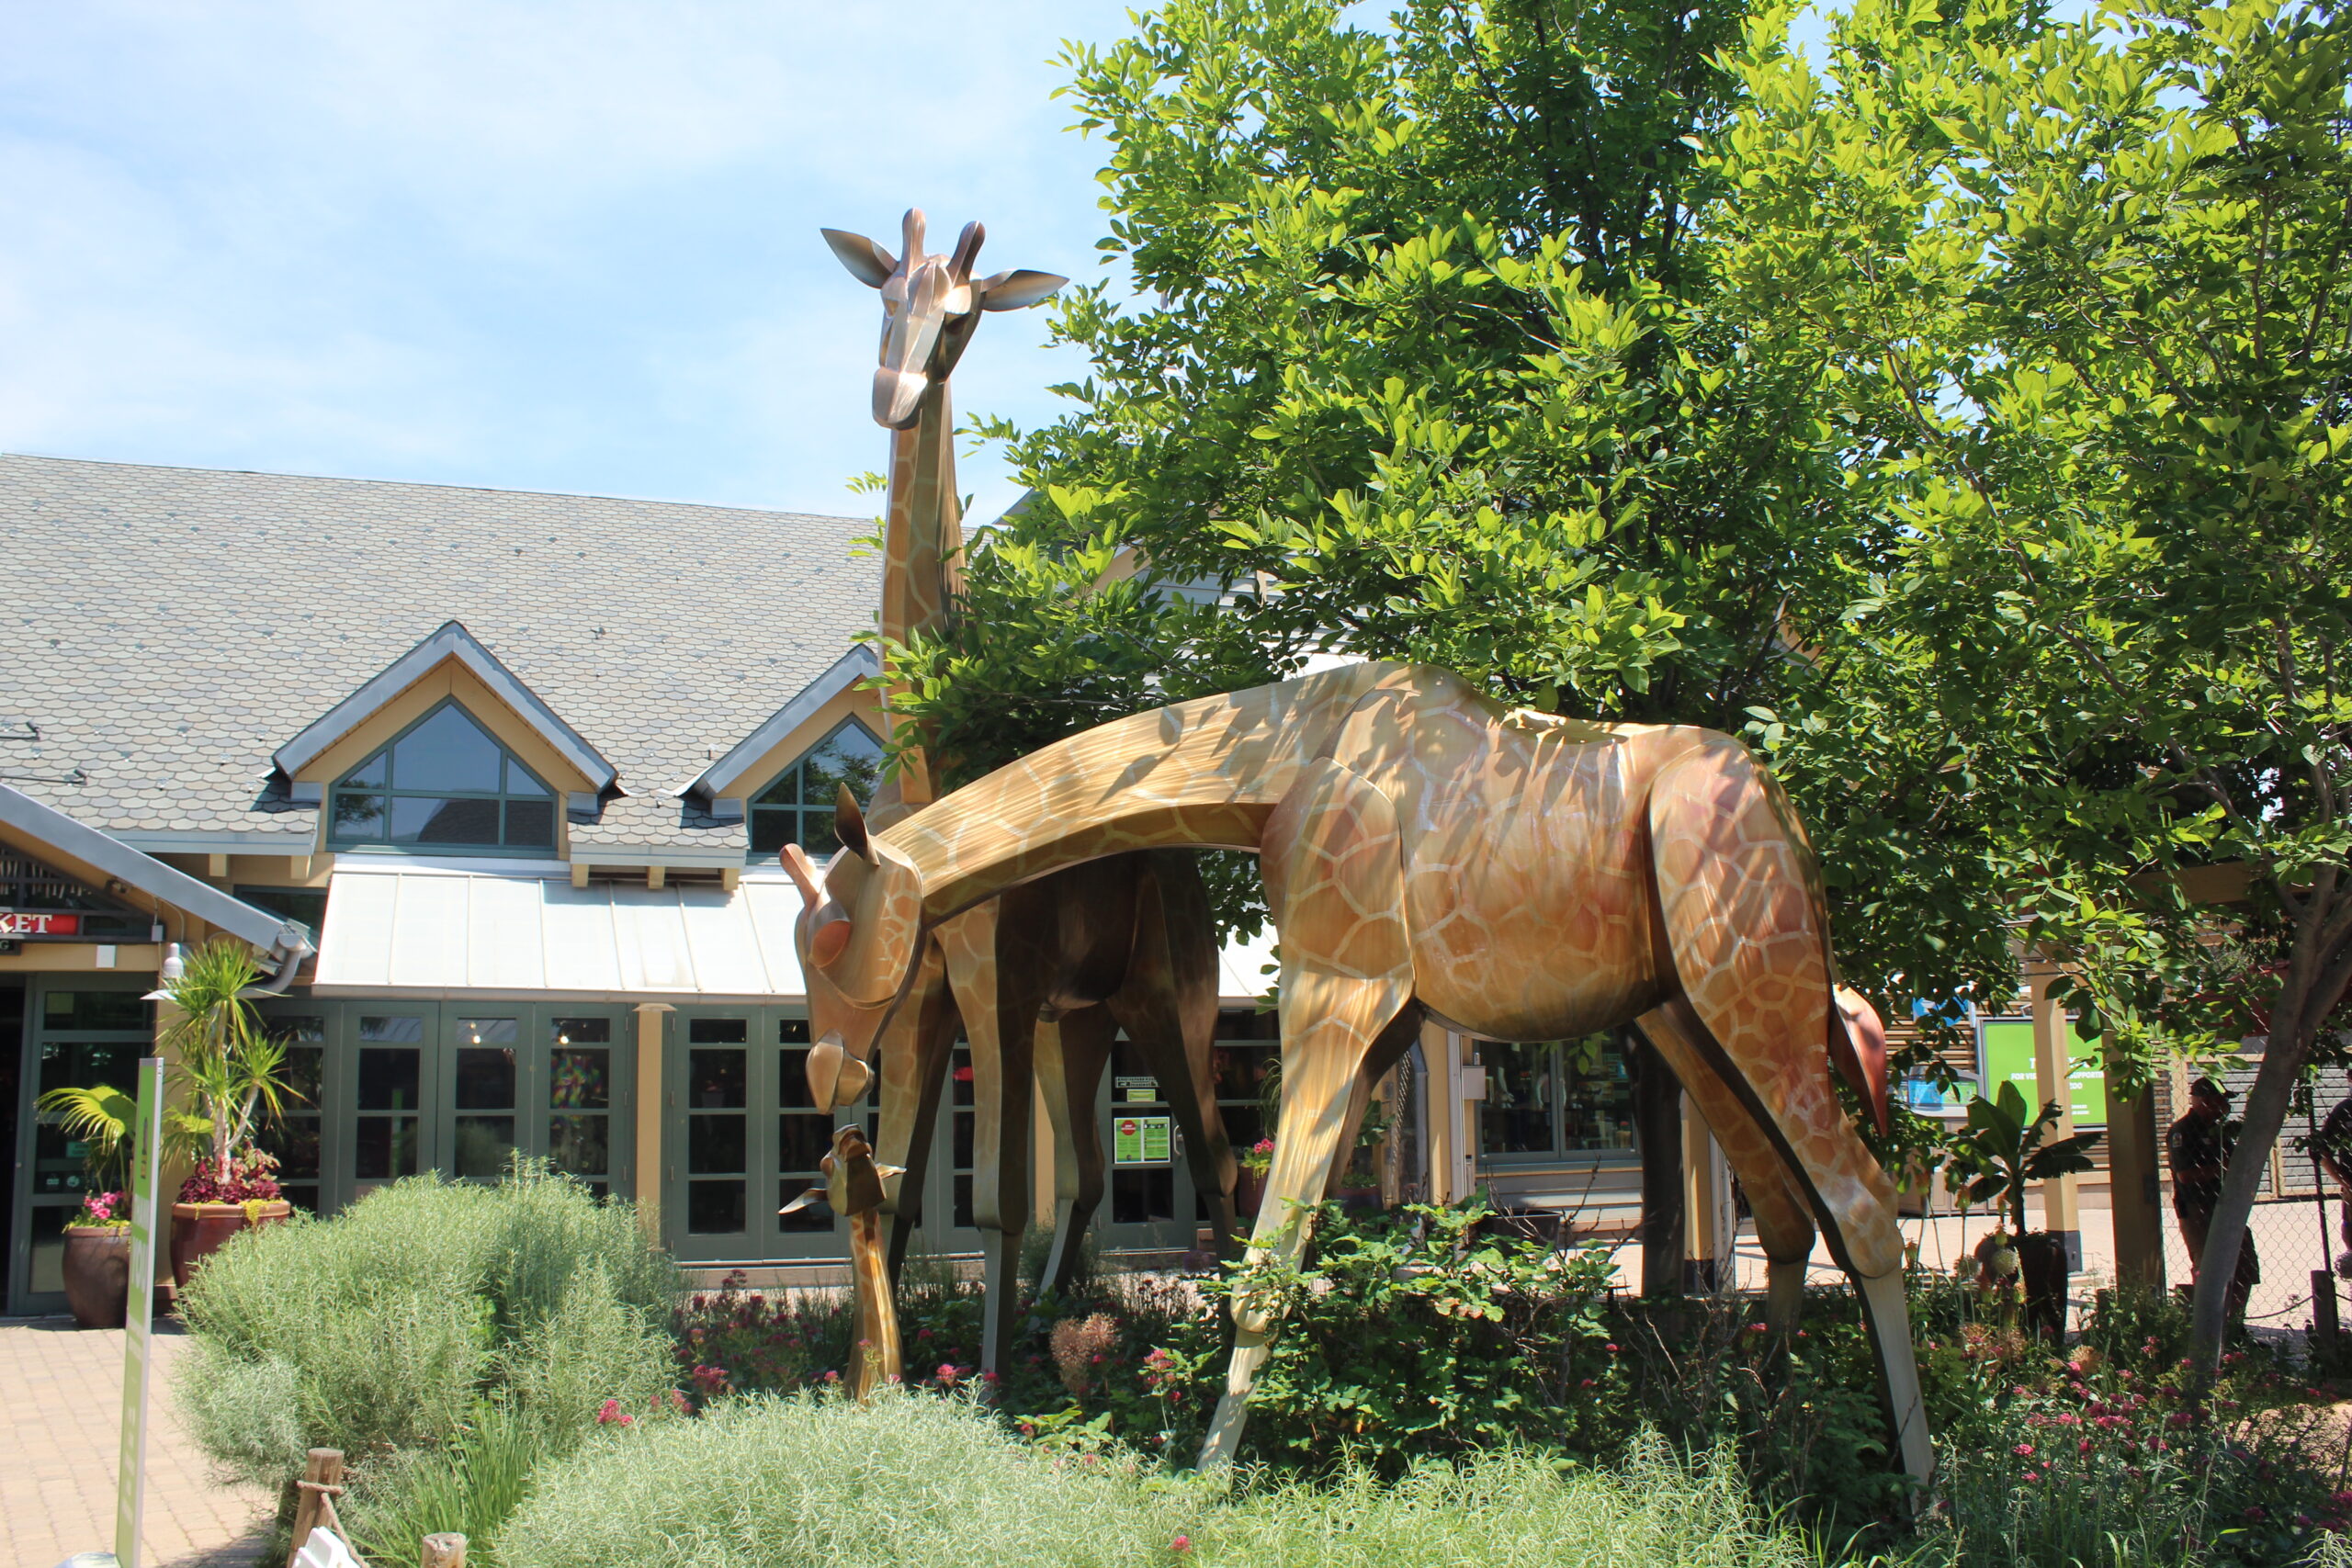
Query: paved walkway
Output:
(61,1388)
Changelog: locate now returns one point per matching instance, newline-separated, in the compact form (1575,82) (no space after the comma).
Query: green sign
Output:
(130,1460)
(1140,1140)
(2009,1058)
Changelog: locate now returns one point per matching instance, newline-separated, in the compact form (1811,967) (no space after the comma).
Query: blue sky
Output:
(565,247)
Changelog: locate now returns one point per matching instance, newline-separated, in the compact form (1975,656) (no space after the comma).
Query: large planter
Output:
(2042,1264)
(97,1275)
(199,1230)
(1248,1191)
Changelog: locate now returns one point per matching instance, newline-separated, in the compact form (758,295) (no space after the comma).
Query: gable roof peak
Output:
(450,640)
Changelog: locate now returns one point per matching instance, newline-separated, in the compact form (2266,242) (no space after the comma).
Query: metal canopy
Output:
(400,926)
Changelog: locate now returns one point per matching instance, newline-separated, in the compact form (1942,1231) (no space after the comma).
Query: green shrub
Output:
(429,1315)
(912,1482)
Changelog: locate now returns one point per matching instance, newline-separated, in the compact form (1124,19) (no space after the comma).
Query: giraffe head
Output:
(930,305)
(860,937)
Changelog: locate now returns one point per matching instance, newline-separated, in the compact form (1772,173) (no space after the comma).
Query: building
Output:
(514,769)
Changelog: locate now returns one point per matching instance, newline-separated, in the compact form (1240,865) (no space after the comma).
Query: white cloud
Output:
(561,245)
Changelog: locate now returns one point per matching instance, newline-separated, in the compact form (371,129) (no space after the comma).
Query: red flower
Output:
(1182,1543)
(2023,1451)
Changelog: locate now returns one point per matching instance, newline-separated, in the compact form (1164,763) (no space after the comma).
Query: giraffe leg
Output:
(1167,1003)
(1749,946)
(1783,1223)
(1387,1051)
(911,1071)
(1332,859)
(1072,1052)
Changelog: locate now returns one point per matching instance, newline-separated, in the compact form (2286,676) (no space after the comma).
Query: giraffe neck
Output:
(923,542)
(1202,774)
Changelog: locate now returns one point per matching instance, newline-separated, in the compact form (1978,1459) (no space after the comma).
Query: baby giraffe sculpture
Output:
(1124,943)
(1517,876)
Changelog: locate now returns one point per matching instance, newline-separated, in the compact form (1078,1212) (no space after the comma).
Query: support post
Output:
(1711,1225)
(1657,1138)
(2052,1043)
(322,1479)
(2135,1162)
(650,1109)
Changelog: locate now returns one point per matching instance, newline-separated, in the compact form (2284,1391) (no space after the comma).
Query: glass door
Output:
(393,1132)
(84,1034)
(1150,1204)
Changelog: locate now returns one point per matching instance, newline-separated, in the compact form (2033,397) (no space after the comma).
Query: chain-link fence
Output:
(2297,1226)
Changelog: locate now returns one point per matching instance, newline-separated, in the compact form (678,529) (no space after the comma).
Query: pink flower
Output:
(2033,1475)
(2084,1447)
(1610,1348)
(947,1374)
(2023,1451)
(609,1415)
(1182,1543)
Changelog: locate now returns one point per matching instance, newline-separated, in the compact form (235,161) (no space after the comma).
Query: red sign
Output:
(13,923)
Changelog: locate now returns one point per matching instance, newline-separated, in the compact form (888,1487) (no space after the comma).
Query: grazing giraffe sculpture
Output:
(1517,876)
(1128,943)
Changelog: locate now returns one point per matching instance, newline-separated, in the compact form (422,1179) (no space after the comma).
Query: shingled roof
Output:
(165,630)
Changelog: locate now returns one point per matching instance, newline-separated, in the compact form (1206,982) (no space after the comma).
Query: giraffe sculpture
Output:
(1512,874)
(1126,943)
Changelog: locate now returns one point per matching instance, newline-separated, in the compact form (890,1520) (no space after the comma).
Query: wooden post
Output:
(322,1479)
(2052,1069)
(2326,1323)
(651,1098)
(444,1552)
(2134,1164)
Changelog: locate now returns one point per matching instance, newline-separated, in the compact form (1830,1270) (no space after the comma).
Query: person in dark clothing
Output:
(2198,1148)
(2333,1149)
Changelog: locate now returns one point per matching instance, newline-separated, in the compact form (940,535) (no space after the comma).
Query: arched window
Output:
(798,808)
(444,784)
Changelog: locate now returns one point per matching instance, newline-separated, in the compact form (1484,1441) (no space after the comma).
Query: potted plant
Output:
(1250,1184)
(233,1073)
(2002,1152)
(98,1238)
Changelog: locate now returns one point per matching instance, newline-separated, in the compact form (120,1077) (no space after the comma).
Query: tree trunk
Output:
(2283,1058)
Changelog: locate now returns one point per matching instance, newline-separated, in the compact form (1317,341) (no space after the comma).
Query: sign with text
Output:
(2009,1058)
(130,1460)
(28,922)
(1140,1140)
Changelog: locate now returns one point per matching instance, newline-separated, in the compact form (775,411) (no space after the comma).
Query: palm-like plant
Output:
(234,1071)
(2003,1154)
(100,1117)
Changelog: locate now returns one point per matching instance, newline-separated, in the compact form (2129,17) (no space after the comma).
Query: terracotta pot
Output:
(1249,1189)
(97,1275)
(199,1230)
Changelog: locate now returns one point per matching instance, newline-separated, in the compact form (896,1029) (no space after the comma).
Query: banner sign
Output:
(138,1322)
(25,922)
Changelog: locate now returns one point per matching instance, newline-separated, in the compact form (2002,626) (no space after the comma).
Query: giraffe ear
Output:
(1018,289)
(867,262)
(803,872)
(849,823)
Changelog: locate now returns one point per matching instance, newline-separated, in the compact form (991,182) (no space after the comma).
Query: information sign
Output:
(2009,1058)
(1141,1140)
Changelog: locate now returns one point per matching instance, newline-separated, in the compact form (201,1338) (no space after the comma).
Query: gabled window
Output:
(798,808)
(444,784)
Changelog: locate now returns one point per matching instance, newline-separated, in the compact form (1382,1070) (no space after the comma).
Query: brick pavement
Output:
(62,1391)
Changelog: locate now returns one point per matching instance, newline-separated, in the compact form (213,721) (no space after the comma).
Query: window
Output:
(444,784)
(1556,1101)
(798,808)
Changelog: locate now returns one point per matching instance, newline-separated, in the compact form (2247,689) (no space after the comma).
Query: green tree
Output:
(1434,369)
(2076,294)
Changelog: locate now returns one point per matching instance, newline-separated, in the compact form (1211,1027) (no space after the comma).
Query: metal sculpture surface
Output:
(1517,876)
(1127,943)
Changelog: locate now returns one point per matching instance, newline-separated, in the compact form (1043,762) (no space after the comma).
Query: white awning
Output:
(488,931)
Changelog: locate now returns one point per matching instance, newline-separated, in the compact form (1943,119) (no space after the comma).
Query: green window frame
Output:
(796,807)
(443,784)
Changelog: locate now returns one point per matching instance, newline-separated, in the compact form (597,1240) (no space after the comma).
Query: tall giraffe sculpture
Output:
(1513,875)
(1126,944)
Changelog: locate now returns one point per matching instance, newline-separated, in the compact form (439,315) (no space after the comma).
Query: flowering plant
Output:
(247,1176)
(100,1210)
(1259,1157)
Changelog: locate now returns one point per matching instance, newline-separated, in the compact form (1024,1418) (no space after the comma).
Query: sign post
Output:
(138,1359)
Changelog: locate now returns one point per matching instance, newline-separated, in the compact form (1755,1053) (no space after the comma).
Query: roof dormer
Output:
(445,751)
